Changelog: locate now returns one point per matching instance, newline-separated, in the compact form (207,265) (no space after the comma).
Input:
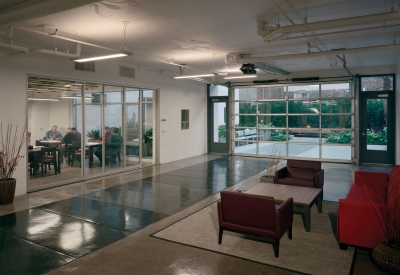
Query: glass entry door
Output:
(218,125)
(377,127)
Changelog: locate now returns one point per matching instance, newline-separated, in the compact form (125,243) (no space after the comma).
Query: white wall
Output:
(174,95)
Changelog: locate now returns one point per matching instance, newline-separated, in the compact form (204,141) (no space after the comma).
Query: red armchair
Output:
(255,215)
(305,173)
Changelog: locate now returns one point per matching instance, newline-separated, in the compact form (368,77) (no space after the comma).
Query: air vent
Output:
(85,66)
(305,79)
(126,72)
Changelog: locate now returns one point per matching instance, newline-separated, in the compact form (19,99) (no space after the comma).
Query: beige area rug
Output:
(315,252)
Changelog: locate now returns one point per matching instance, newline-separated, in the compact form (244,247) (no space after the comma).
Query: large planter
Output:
(7,191)
(387,257)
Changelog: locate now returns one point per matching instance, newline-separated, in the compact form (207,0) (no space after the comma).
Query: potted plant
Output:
(274,157)
(222,133)
(93,135)
(11,142)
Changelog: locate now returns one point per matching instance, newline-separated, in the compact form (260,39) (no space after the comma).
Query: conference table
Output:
(91,146)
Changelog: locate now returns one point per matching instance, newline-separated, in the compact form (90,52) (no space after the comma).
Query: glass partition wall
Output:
(307,121)
(112,130)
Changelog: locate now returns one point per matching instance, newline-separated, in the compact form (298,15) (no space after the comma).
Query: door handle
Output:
(363,134)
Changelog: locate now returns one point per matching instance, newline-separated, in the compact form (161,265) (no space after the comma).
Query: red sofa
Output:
(359,223)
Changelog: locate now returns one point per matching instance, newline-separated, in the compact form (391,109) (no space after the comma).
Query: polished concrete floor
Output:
(103,226)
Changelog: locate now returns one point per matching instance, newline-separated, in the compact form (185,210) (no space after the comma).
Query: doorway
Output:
(218,125)
(377,115)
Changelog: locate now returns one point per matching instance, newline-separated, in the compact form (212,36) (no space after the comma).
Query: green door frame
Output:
(377,156)
(219,145)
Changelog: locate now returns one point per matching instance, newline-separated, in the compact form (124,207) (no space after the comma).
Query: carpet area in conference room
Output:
(308,252)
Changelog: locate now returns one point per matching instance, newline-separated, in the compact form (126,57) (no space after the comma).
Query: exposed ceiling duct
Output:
(57,53)
(35,8)
(10,45)
(278,32)
(236,59)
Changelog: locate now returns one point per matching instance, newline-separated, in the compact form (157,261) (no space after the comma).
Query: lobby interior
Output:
(101,220)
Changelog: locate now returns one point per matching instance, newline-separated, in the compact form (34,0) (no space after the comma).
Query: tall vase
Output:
(387,257)
(7,191)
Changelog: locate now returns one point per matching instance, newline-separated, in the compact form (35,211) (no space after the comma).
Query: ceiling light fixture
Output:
(100,57)
(242,76)
(195,76)
(77,97)
(43,99)
(120,53)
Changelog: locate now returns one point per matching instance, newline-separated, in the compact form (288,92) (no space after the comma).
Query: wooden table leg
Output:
(90,156)
(320,198)
(308,218)
(59,160)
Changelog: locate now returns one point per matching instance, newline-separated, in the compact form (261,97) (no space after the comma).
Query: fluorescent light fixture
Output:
(242,76)
(77,97)
(195,76)
(100,57)
(43,99)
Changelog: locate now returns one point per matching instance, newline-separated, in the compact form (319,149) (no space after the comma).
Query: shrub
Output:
(278,136)
(342,137)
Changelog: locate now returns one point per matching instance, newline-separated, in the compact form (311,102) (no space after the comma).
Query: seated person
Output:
(107,134)
(71,136)
(113,145)
(53,134)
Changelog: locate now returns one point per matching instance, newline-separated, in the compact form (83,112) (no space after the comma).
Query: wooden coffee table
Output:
(303,197)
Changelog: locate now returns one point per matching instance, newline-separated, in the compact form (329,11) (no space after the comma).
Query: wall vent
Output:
(85,66)
(126,72)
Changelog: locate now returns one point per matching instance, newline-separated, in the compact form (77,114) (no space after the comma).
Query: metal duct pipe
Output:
(235,59)
(338,23)
(57,53)
(35,8)
(14,47)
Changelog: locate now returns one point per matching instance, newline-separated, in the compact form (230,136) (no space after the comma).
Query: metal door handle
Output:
(363,134)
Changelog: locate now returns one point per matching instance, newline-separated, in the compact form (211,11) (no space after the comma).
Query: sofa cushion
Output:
(296,182)
(301,173)
(393,189)
(366,193)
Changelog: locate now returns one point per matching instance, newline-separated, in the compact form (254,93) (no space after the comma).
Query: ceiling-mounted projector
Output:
(248,69)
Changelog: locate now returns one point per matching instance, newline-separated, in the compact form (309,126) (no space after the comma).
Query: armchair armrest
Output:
(319,179)
(284,216)
(281,173)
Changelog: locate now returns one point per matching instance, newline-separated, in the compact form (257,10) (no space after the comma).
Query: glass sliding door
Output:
(94,128)
(98,128)
(147,125)
(113,149)
(132,118)
(52,126)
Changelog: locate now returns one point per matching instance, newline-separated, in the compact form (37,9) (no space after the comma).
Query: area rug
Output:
(315,252)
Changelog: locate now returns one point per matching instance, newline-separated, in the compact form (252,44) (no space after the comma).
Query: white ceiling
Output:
(192,31)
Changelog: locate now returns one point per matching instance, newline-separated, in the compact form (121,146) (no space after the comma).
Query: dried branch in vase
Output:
(11,143)
(274,156)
